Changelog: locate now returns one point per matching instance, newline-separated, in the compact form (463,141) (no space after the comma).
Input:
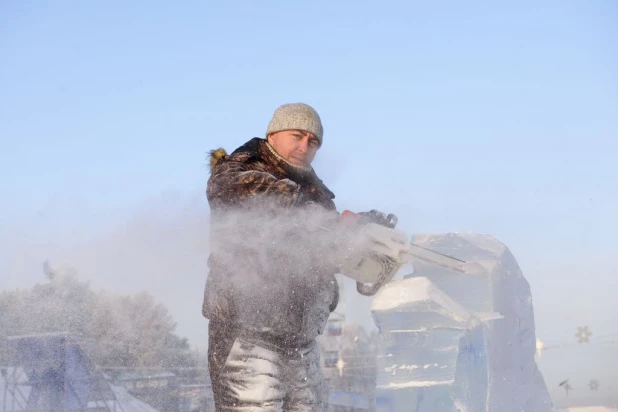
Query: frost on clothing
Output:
(256,377)
(270,271)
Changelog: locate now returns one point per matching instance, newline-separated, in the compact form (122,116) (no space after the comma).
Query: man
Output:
(265,313)
(271,285)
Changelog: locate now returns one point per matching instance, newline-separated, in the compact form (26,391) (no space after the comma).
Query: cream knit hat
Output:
(296,116)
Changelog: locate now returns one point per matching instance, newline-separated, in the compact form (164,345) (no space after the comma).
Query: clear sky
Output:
(456,116)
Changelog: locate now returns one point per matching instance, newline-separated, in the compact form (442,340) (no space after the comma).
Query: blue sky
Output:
(456,116)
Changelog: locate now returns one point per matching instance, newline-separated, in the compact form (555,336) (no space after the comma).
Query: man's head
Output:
(295,132)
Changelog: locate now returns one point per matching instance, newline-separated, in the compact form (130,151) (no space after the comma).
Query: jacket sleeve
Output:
(233,183)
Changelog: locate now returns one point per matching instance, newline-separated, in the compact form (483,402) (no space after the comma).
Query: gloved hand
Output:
(380,218)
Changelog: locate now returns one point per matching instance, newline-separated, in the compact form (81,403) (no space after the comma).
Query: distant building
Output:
(195,397)
(145,381)
(330,341)
(164,390)
(351,384)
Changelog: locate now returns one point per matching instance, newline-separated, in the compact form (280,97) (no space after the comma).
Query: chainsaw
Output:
(377,251)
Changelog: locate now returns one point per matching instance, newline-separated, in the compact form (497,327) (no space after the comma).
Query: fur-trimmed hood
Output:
(216,157)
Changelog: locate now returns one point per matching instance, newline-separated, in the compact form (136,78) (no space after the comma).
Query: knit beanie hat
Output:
(296,116)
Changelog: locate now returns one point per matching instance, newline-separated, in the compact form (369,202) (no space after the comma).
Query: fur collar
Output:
(258,149)
(216,157)
(253,148)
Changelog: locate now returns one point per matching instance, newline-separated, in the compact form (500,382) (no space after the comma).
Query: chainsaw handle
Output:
(368,290)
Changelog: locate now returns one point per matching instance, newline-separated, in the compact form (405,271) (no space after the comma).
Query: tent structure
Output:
(50,372)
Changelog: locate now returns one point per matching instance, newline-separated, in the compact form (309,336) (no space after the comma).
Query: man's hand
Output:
(373,255)
(380,218)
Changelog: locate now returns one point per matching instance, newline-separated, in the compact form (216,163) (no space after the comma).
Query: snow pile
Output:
(459,342)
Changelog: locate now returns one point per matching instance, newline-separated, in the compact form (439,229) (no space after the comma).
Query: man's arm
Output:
(233,183)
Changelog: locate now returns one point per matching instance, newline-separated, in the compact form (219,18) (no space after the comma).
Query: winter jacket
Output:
(269,271)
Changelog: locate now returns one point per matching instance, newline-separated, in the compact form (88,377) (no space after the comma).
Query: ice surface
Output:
(473,334)
(406,295)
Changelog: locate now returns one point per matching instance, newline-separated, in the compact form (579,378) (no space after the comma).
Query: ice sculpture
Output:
(459,342)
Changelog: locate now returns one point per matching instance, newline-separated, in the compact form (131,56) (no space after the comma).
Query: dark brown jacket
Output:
(269,274)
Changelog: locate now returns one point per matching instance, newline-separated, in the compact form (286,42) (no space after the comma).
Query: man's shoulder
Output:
(246,153)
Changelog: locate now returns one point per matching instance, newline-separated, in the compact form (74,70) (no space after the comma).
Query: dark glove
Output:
(380,218)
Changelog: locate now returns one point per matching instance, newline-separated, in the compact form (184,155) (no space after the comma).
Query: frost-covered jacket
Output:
(269,276)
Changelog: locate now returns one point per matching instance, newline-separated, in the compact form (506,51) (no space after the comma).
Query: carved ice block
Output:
(452,341)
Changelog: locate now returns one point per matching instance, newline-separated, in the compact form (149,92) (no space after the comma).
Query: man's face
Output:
(296,146)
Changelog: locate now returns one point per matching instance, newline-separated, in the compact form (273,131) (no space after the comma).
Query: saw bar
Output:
(445,261)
